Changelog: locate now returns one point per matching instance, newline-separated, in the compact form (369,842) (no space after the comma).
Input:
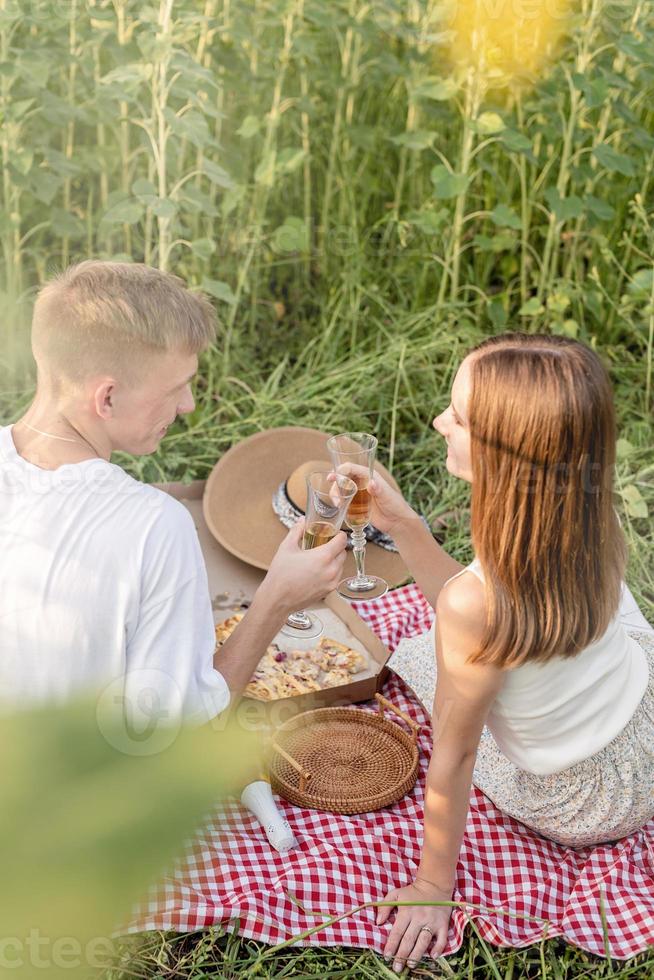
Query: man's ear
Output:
(104,398)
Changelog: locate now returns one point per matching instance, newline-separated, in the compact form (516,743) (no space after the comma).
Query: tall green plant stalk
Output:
(11,233)
(347,214)
(330,176)
(266,177)
(69,133)
(123,34)
(525,209)
(101,135)
(650,350)
(576,104)
(554,226)
(470,112)
(606,113)
(157,128)
(203,57)
(305,130)
(221,94)
(631,233)
(419,21)
(306,177)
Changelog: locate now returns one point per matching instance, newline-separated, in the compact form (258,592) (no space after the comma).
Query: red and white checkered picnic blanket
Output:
(519,886)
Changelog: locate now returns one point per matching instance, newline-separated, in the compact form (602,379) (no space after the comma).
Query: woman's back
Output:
(550,715)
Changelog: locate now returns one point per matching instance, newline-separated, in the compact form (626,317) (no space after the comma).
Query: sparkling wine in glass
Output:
(327,502)
(353,455)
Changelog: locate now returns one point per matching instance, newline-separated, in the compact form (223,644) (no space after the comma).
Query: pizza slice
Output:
(227,627)
(337,655)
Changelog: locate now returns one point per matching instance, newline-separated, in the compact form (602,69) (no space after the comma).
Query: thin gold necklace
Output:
(51,436)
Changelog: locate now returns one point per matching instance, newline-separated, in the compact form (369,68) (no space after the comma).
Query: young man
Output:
(102,577)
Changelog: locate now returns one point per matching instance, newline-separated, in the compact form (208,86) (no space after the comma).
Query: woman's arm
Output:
(429,564)
(464,695)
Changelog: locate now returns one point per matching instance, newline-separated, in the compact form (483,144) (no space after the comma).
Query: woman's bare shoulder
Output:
(462,602)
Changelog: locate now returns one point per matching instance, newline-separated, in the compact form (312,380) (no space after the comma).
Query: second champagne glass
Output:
(327,502)
(353,455)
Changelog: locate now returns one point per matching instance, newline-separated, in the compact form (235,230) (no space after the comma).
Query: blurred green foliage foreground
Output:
(88,821)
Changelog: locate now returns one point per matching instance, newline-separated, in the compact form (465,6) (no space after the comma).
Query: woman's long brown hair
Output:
(544,526)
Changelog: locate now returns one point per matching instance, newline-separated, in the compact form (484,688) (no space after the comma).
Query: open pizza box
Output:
(232,583)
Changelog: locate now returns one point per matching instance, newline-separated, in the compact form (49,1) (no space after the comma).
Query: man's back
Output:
(101,577)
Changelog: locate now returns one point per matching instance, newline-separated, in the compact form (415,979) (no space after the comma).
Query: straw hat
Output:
(238,497)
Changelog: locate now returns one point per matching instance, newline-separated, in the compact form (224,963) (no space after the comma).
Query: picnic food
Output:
(283,675)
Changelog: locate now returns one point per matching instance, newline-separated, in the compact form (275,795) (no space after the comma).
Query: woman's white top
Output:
(548,716)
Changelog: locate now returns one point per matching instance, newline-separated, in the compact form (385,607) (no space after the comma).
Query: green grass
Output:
(360,220)
(216,953)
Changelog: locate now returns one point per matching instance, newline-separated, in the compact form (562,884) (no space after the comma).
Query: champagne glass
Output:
(327,502)
(353,454)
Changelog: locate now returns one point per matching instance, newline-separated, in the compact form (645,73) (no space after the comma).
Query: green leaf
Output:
(501,242)
(564,208)
(640,285)
(489,122)
(601,209)
(292,236)
(127,75)
(66,224)
(45,185)
(497,314)
(191,126)
(144,188)
(428,221)
(19,107)
(265,170)
(565,328)
(569,328)
(163,207)
(439,89)
(623,448)
(62,164)
(22,160)
(533,307)
(196,202)
(216,174)
(613,160)
(447,184)
(232,199)
(289,159)
(516,142)
(558,301)
(126,212)
(634,502)
(249,127)
(221,290)
(203,248)
(420,139)
(505,217)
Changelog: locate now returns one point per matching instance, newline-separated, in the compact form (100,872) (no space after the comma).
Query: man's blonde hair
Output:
(98,317)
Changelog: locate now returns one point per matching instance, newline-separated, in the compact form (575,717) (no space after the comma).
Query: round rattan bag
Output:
(345,760)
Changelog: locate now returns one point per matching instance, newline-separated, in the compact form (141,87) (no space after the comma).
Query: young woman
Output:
(544,699)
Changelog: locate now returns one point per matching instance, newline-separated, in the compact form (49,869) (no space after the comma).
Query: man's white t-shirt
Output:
(102,581)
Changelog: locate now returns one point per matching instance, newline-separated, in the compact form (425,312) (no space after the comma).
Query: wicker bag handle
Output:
(305,776)
(383,702)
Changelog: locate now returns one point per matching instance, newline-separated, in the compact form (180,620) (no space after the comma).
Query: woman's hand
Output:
(415,929)
(389,508)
